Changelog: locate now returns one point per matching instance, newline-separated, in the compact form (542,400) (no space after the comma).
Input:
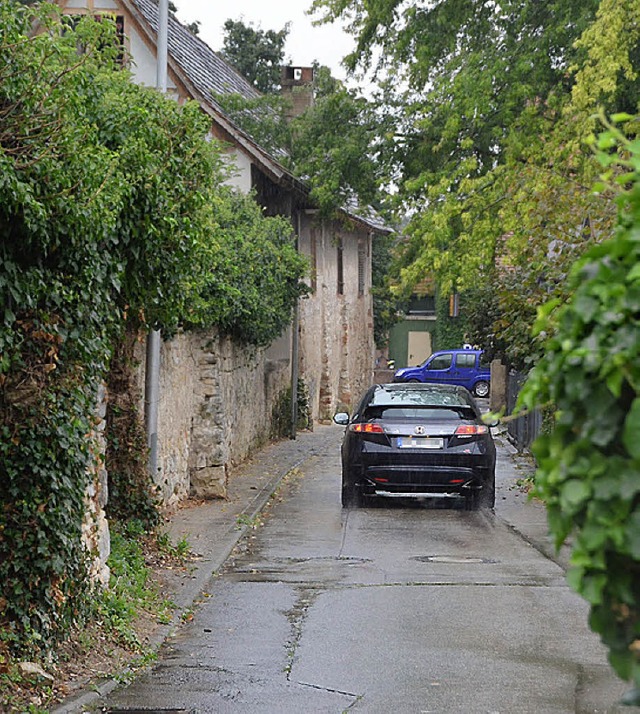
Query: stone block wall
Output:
(180,383)
(95,528)
(215,406)
(336,328)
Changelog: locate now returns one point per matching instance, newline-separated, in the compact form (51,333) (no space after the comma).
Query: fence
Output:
(523,430)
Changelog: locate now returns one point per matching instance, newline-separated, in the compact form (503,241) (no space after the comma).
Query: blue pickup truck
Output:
(464,367)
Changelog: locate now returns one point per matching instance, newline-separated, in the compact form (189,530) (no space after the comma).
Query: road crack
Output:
(297,616)
(331,690)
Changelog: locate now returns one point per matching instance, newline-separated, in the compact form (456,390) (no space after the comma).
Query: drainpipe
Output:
(295,348)
(152,367)
(151,396)
(163,44)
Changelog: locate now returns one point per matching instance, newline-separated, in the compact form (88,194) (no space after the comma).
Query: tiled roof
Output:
(366,214)
(210,74)
(204,67)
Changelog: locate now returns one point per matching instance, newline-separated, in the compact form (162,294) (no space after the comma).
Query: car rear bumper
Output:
(410,494)
(447,482)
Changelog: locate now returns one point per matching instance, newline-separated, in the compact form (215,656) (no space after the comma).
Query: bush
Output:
(590,461)
(112,212)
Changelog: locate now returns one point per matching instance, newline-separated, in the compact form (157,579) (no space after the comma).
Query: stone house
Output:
(216,398)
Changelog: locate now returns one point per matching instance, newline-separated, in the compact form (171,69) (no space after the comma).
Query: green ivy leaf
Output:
(575,576)
(620,117)
(592,586)
(573,494)
(633,535)
(631,430)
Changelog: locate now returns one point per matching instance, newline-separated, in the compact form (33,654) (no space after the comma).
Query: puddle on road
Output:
(317,568)
(151,711)
(455,559)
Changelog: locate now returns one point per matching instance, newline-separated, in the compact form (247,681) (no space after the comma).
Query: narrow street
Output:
(399,608)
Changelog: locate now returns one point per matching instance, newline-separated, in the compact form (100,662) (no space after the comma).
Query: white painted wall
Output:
(240,171)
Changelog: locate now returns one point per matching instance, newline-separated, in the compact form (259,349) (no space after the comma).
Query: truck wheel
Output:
(481,389)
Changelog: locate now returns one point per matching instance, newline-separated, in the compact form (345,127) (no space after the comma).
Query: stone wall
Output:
(336,328)
(95,528)
(215,406)
(180,382)
(358,361)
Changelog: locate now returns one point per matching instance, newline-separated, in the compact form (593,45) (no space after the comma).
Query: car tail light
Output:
(471,429)
(367,428)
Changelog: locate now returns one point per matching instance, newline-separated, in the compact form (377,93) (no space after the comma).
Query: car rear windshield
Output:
(423,413)
(417,397)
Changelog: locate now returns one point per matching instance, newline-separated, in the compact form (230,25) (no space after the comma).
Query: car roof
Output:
(465,350)
(419,394)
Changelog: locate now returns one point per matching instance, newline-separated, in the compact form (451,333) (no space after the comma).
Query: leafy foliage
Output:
(450,331)
(385,304)
(590,371)
(257,54)
(264,118)
(111,211)
(333,146)
(130,589)
(488,106)
(132,496)
(250,272)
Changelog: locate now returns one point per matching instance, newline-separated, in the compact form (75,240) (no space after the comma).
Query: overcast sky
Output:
(327,44)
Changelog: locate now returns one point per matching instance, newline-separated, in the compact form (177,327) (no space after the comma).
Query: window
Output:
(466,361)
(425,305)
(72,21)
(440,362)
(340,257)
(313,256)
(362,266)
(414,397)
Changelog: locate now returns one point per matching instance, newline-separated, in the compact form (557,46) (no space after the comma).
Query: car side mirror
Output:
(341,418)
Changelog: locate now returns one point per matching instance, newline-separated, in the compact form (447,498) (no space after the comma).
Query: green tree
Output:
(257,54)
(488,151)
(334,146)
(385,304)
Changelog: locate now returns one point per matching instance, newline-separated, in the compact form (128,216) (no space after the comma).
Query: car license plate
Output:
(411,442)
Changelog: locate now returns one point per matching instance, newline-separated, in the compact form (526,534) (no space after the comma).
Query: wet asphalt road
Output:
(393,609)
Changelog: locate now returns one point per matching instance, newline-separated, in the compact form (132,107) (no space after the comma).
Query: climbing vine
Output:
(132,495)
(590,373)
(111,213)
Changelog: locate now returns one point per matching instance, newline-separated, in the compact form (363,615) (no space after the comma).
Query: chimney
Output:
(297,86)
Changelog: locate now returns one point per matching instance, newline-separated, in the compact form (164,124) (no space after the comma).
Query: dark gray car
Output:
(417,441)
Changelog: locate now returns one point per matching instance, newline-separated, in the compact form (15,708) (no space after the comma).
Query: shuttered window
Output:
(362,267)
